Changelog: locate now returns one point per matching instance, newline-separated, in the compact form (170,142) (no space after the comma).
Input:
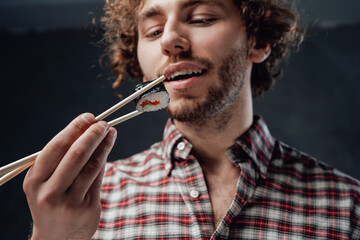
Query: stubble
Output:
(217,105)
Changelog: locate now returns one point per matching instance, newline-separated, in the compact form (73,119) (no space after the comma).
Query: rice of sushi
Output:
(152,100)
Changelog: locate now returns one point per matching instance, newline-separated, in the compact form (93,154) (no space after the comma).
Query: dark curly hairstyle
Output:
(271,22)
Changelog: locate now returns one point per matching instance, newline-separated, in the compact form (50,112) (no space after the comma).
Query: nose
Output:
(173,40)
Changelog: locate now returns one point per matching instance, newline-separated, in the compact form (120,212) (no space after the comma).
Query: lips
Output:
(183,71)
(185,74)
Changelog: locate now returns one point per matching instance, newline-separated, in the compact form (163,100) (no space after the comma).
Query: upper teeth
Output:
(185,72)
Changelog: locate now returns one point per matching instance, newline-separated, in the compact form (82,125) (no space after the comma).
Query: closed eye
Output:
(203,21)
(154,34)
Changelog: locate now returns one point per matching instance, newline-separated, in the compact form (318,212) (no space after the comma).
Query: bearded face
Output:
(231,75)
(202,49)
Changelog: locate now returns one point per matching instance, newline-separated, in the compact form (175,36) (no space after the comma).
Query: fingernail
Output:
(88,117)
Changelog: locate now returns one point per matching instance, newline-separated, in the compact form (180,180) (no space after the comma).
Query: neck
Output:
(213,137)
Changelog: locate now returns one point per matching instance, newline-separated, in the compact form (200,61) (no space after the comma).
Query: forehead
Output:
(148,6)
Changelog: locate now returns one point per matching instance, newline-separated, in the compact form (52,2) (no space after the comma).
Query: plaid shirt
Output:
(281,194)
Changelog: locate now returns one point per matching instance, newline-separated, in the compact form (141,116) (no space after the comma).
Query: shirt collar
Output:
(256,145)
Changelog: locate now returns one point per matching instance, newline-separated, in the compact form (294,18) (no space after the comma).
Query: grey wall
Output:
(22,15)
(50,76)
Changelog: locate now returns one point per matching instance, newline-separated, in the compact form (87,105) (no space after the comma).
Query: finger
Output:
(78,155)
(53,152)
(94,190)
(89,175)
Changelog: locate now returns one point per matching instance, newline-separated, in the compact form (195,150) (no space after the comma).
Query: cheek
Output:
(220,42)
(140,57)
(145,58)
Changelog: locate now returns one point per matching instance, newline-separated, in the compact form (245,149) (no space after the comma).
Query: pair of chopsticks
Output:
(11,170)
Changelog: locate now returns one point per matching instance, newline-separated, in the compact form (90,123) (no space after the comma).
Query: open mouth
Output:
(185,74)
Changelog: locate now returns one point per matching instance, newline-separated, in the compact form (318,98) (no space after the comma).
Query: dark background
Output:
(50,73)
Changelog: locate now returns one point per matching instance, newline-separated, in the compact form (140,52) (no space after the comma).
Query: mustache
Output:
(186,56)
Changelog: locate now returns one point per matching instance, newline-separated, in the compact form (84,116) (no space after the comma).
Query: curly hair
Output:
(271,22)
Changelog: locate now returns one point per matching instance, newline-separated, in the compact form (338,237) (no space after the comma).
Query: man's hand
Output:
(63,185)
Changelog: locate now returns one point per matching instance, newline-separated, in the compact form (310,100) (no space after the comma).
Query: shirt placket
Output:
(194,191)
(245,188)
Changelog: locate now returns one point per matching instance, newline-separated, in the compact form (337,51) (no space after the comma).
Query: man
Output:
(218,173)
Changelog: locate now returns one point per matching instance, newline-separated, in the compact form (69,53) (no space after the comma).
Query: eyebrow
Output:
(157,11)
(151,12)
(190,3)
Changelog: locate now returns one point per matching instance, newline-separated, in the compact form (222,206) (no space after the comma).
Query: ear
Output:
(258,52)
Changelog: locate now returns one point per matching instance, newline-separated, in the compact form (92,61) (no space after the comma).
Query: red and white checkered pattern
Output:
(281,194)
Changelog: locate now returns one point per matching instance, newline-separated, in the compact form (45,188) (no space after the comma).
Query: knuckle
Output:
(28,186)
(58,145)
(98,131)
(79,125)
(47,199)
(92,167)
(110,139)
(108,142)
(78,153)
(108,145)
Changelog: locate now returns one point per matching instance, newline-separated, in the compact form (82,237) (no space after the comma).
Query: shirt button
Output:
(194,194)
(181,146)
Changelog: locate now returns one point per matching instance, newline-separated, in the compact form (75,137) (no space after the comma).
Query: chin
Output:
(189,112)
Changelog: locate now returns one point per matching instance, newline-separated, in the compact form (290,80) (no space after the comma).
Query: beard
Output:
(219,99)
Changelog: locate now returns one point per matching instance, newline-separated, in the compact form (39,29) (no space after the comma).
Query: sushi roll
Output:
(154,99)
